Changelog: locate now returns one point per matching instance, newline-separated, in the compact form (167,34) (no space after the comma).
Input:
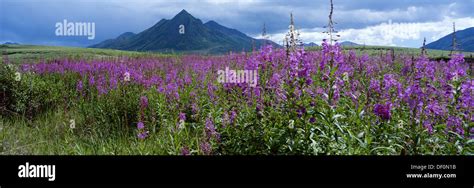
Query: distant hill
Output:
(348,43)
(116,43)
(311,44)
(464,38)
(11,43)
(165,35)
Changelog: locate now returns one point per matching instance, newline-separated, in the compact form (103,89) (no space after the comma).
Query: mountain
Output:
(115,43)
(464,39)
(311,44)
(348,43)
(165,35)
(11,43)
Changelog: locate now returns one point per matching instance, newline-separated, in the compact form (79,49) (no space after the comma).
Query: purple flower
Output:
(172,90)
(205,148)
(467,90)
(435,109)
(140,125)
(101,89)
(143,135)
(232,117)
(182,116)
(210,129)
(454,124)
(144,102)
(375,85)
(79,86)
(210,90)
(225,119)
(274,82)
(301,111)
(194,108)
(389,81)
(185,151)
(91,80)
(113,83)
(428,125)
(383,110)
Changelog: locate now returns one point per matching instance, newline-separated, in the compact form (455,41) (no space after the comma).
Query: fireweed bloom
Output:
(143,102)
(225,119)
(142,135)
(389,81)
(211,130)
(185,151)
(428,125)
(140,125)
(375,85)
(182,116)
(301,111)
(435,109)
(181,120)
(232,117)
(113,83)
(467,97)
(454,124)
(194,108)
(383,110)
(79,86)
(205,148)
(91,80)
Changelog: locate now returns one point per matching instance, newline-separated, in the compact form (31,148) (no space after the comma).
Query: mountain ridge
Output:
(209,37)
(349,43)
(464,39)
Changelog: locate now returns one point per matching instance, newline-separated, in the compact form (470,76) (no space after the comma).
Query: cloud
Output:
(34,20)
(389,33)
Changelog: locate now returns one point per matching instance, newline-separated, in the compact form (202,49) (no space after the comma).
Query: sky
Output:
(372,22)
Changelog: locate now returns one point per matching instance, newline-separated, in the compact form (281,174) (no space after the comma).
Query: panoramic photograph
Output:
(260,77)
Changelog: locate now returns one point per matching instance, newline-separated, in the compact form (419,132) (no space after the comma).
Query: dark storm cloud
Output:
(33,21)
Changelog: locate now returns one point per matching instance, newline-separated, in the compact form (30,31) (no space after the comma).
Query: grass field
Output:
(27,53)
(18,53)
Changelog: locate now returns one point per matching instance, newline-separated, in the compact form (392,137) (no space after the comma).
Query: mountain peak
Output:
(183,14)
